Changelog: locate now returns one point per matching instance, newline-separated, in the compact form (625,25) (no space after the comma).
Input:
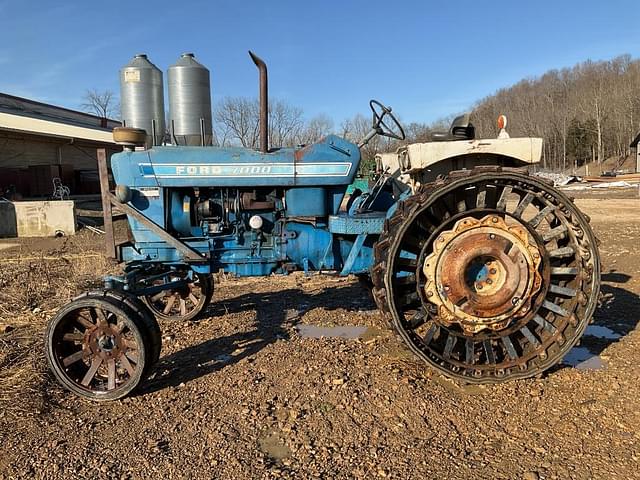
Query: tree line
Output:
(589,112)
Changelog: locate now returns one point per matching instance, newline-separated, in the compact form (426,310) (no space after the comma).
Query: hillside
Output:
(587,113)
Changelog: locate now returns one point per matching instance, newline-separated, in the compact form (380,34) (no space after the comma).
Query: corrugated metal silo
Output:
(142,97)
(189,102)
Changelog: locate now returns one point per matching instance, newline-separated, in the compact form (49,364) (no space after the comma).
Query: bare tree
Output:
(237,122)
(102,104)
(285,124)
(316,129)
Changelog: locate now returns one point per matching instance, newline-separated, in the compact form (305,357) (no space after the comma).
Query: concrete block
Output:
(37,219)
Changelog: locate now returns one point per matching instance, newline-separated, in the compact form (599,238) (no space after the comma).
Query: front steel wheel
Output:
(489,275)
(97,348)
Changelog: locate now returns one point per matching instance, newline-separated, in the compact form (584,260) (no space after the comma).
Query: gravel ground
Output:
(241,394)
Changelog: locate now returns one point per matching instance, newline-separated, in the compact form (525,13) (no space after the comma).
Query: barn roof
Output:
(29,116)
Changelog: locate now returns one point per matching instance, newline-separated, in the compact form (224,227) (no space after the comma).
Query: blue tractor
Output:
(487,274)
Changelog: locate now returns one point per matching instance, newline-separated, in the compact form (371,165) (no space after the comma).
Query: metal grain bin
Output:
(142,97)
(189,102)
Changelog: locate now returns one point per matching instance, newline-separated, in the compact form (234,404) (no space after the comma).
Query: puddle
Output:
(7,246)
(341,331)
(602,332)
(273,446)
(582,358)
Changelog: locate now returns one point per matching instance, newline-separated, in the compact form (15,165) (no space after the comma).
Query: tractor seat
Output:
(461,129)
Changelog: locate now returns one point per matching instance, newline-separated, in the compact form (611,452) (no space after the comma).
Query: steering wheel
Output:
(379,112)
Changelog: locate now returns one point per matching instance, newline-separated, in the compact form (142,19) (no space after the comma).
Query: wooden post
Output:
(103,172)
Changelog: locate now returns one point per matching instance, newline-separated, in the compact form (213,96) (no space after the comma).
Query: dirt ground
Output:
(241,394)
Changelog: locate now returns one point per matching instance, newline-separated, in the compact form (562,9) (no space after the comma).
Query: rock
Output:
(530,476)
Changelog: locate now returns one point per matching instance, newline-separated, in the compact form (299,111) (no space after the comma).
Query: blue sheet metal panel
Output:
(306,201)
(334,161)
(371,223)
(151,203)
(335,195)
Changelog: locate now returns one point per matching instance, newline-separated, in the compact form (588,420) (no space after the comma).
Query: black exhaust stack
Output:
(264,102)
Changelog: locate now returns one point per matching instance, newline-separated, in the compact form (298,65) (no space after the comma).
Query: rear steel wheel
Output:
(489,275)
(96,348)
(181,303)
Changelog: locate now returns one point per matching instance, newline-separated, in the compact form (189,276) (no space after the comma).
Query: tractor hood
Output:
(332,161)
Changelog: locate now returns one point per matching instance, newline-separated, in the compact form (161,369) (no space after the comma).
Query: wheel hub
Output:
(482,274)
(104,341)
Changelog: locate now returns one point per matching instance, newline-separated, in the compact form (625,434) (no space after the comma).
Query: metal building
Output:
(40,142)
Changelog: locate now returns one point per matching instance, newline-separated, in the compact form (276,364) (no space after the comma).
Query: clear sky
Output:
(427,59)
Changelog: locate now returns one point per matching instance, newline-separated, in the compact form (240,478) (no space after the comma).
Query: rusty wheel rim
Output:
(97,350)
(483,273)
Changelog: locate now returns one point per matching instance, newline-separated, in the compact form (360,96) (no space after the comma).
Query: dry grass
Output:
(32,287)
(23,385)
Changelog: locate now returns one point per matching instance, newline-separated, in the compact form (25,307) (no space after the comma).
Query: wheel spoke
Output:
(562,252)
(95,364)
(470,353)
(544,324)
(522,206)
(407,264)
(132,355)
(508,345)
(481,199)
(167,308)
(502,201)
(555,308)
(535,221)
(193,299)
(124,361)
(529,336)
(567,292)
(111,374)
(417,320)
(99,317)
(183,307)
(84,322)
(159,295)
(554,233)
(448,348)
(488,350)
(73,337)
(120,326)
(563,271)
(73,358)
(430,333)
